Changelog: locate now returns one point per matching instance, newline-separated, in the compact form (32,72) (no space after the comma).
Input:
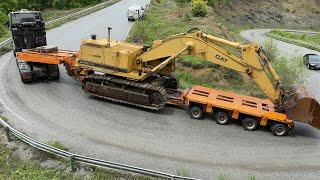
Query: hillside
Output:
(293,14)
(167,17)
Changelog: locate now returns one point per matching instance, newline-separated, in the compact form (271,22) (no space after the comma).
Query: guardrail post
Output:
(72,163)
(7,131)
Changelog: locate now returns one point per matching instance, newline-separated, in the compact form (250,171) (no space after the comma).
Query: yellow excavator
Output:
(140,75)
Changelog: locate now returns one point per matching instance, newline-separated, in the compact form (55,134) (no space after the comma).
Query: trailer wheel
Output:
(196,112)
(278,129)
(222,118)
(250,124)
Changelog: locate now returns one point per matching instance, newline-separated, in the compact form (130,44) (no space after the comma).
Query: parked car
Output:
(135,12)
(312,61)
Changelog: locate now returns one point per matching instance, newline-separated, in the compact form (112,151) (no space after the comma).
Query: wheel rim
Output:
(196,113)
(250,124)
(222,119)
(280,131)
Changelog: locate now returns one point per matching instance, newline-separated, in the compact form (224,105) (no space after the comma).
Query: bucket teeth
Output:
(301,106)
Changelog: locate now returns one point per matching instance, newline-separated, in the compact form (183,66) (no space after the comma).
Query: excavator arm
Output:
(248,59)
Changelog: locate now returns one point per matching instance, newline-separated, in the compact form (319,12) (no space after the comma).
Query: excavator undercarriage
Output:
(141,94)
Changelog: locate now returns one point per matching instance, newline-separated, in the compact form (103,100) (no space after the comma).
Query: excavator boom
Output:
(298,104)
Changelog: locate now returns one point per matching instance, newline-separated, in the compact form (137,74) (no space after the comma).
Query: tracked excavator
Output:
(142,76)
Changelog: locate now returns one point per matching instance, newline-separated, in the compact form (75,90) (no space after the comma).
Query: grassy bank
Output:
(20,161)
(311,41)
(167,18)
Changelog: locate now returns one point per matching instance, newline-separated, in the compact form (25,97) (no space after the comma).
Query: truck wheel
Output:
(279,129)
(26,78)
(250,124)
(53,72)
(222,118)
(196,112)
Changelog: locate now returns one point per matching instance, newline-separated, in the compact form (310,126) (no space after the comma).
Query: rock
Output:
(24,154)
(51,163)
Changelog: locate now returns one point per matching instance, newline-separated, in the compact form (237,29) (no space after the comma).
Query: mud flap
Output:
(301,106)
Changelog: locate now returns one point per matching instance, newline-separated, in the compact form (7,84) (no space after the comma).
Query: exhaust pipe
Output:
(109,35)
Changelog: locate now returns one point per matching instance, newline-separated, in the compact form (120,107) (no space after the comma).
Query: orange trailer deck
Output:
(235,105)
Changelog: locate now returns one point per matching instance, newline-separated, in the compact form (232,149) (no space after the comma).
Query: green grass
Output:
(196,63)
(181,171)
(58,145)
(11,167)
(305,37)
(164,20)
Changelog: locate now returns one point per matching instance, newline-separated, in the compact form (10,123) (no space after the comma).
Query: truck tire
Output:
(222,117)
(250,124)
(278,129)
(196,112)
(53,72)
(26,79)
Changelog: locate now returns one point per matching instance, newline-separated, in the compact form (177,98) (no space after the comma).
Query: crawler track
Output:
(139,94)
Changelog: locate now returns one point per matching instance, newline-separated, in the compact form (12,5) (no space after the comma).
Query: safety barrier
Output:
(73,158)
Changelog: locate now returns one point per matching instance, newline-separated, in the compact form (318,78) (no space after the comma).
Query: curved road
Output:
(166,141)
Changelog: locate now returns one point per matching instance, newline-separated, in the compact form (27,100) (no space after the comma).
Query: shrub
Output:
(270,49)
(2,30)
(58,4)
(199,8)
(293,67)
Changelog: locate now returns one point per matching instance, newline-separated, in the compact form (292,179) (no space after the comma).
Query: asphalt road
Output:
(166,141)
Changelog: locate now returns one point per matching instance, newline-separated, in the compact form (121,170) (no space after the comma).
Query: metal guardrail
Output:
(83,159)
(61,19)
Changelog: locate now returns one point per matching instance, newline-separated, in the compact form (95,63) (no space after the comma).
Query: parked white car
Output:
(135,12)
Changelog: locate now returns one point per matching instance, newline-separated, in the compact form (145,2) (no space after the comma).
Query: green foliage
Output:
(199,8)
(34,171)
(58,145)
(213,2)
(196,63)
(304,37)
(290,70)
(3,21)
(270,49)
(186,79)
(181,171)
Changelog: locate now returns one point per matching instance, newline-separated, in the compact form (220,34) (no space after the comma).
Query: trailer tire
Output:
(250,123)
(279,129)
(222,117)
(196,112)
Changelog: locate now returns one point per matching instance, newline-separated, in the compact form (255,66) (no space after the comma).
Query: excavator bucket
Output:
(301,106)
